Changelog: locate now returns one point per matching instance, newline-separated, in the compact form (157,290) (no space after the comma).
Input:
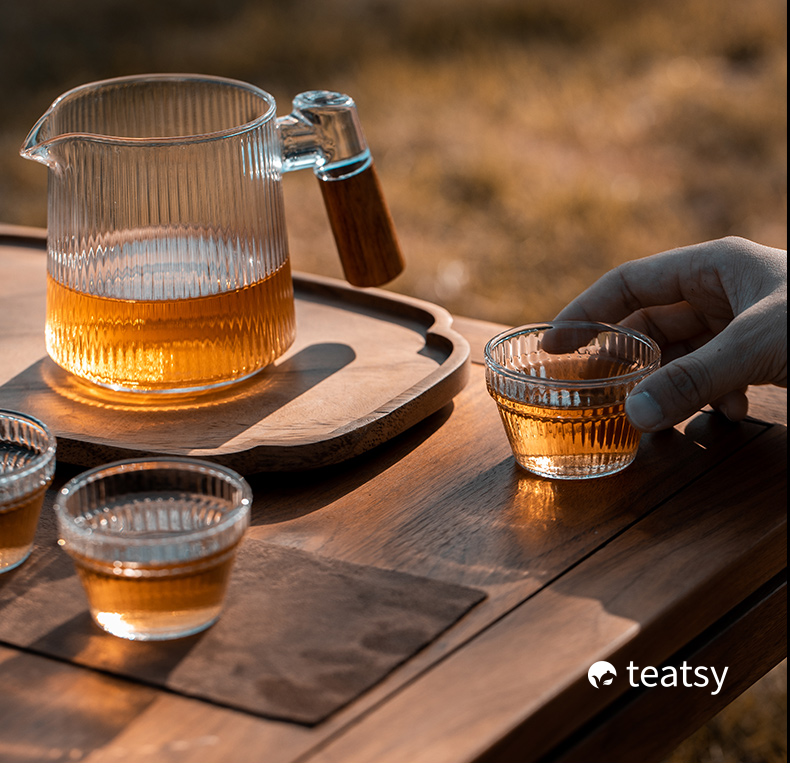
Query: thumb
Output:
(730,361)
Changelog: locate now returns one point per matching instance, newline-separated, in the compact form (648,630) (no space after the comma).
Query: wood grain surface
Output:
(362,227)
(629,577)
(641,597)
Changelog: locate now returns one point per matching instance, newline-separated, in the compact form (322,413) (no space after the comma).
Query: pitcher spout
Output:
(38,144)
(46,137)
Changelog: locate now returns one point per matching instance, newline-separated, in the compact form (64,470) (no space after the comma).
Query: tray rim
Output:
(403,411)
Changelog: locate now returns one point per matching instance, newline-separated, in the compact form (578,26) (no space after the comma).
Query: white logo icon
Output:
(601,674)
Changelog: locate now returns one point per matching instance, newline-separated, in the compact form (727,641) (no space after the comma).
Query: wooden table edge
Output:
(621,733)
(505,746)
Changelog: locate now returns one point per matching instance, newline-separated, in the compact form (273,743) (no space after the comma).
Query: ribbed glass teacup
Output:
(154,542)
(561,389)
(27,464)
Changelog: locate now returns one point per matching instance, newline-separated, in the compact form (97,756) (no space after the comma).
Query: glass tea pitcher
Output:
(167,255)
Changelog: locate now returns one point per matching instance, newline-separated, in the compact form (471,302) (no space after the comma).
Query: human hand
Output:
(718,310)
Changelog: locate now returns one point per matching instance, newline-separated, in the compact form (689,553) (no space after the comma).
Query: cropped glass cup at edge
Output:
(27,464)
(561,388)
(153,542)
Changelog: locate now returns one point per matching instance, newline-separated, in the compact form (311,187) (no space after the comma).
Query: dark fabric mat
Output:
(300,637)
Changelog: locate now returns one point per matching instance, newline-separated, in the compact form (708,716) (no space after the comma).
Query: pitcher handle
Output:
(324,132)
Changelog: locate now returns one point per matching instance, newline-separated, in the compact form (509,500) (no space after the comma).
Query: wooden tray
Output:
(366,365)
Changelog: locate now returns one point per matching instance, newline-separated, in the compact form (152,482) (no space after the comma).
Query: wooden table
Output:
(681,558)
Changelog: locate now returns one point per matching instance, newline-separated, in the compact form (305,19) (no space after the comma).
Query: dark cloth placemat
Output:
(300,636)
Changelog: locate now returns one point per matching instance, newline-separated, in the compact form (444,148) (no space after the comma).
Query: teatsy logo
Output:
(603,674)
(669,676)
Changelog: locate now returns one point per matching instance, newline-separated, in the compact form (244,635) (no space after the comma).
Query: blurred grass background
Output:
(524,146)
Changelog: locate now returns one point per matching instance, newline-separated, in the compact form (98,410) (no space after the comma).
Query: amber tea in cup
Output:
(153,543)
(561,388)
(27,463)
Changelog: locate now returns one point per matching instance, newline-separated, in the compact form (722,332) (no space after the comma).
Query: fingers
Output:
(654,280)
(719,312)
(670,395)
(717,371)
(704,275)
(734,405)
(721,278)
(668,324)
(678,328)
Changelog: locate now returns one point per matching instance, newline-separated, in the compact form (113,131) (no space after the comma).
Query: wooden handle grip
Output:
(363,229)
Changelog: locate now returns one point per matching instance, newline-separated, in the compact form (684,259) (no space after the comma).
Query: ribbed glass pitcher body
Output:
(168,264)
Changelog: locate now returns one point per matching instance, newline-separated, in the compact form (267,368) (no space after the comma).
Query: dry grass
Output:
(752,728)
(525,146)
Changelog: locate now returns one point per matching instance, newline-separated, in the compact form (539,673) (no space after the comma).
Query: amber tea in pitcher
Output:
(160,345)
